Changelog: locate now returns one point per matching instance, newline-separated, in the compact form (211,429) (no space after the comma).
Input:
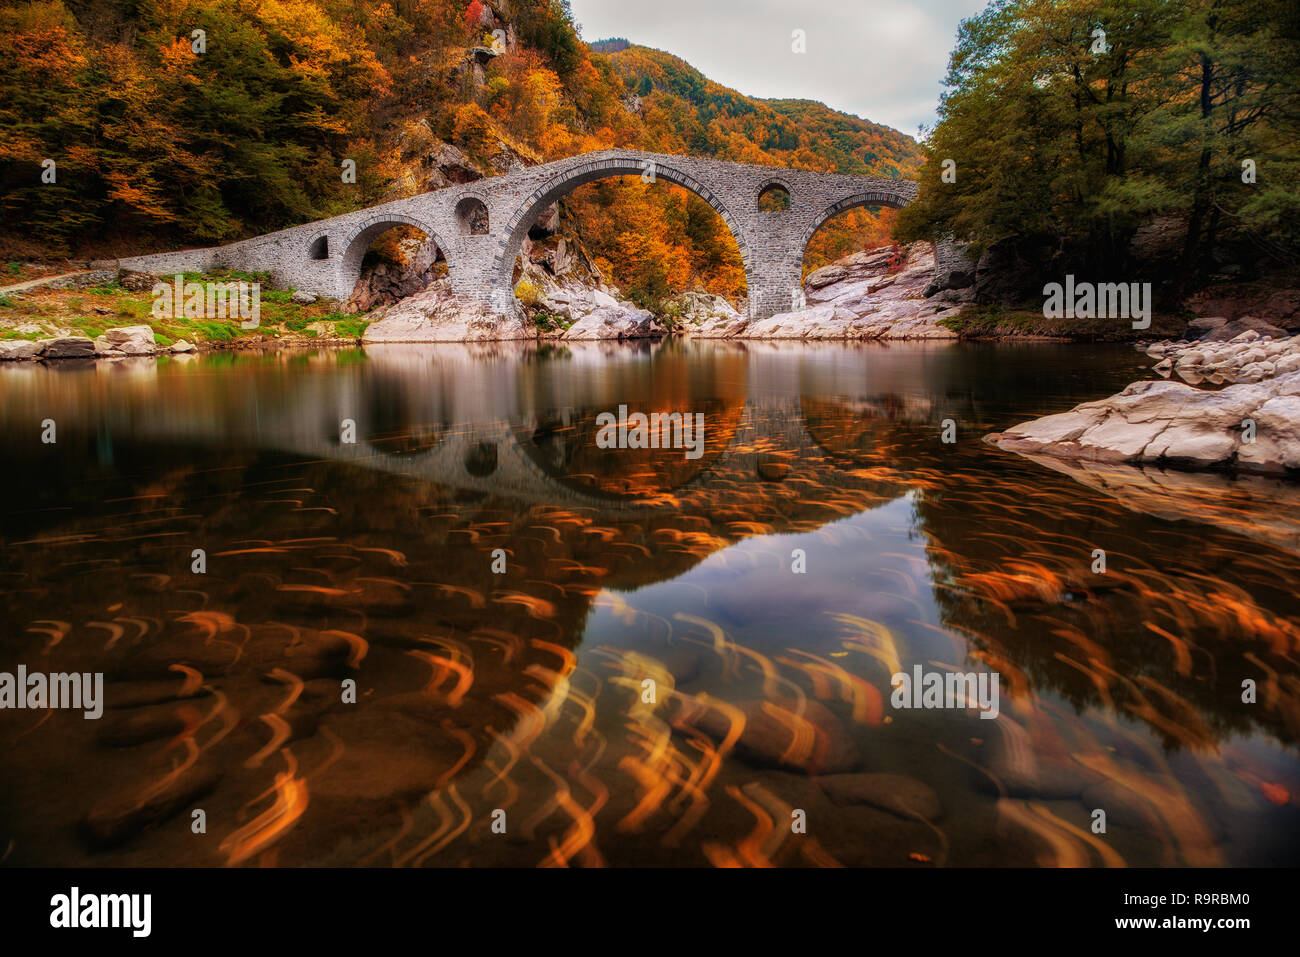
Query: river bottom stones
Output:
(805,738)
(898,794)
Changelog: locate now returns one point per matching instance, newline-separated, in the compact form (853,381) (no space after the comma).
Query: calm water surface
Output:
(507,597)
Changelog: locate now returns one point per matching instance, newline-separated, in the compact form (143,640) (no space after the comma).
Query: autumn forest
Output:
(159,146)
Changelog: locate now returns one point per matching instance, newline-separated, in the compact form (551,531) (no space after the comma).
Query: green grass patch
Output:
(278,313)
(135,309)
(219,331)
(350,327)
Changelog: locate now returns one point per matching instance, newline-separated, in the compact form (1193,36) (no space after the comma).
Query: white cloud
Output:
(882,60)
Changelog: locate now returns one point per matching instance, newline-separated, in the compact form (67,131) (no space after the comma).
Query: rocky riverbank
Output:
(888,293)
(115,343)
(110,314)
(556,310)
(1248,356)
(1250,424)
(892,293)
(882,294)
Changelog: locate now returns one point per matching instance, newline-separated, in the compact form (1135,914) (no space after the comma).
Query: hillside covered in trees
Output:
(1120,139)
(178,122)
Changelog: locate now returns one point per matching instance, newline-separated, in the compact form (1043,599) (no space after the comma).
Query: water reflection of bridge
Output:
(499,458)
(525,430)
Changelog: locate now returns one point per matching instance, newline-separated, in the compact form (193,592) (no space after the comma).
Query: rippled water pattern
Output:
(521,697)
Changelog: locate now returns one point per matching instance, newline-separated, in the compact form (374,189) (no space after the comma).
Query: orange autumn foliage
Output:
(164,146)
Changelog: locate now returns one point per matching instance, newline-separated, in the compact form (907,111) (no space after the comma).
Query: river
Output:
(401,606)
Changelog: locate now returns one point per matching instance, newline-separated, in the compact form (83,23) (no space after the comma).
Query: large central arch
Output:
(580,174)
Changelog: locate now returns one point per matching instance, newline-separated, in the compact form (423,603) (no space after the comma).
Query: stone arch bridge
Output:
(480,226)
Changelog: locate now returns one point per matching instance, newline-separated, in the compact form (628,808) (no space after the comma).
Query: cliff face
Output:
(885,293)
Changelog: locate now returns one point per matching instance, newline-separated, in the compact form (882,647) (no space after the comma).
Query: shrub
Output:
(526,291)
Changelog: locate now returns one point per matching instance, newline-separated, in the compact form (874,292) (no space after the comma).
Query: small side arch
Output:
(472,217)
(774,196)
(896,198)
(359,238)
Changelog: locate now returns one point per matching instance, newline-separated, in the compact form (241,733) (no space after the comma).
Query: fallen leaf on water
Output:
(1276,793)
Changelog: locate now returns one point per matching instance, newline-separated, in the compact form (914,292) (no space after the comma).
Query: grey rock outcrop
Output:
(67,347)
(386,283)
(1247,357)
(1176,424)
(449,166)
(704,313)
(18,349)
(1228,330)
(435,315)
(878,294)
(953,268)
(126,341)
(616,321)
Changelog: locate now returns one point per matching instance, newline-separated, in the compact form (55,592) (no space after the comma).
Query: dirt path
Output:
(41,281)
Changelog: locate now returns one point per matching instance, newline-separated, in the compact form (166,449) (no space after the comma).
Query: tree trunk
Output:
(1192,259)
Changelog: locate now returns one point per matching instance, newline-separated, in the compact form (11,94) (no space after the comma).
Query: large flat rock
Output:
(433,316)
(1172,423)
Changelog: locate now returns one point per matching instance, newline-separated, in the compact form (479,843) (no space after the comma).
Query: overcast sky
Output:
(882,60)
